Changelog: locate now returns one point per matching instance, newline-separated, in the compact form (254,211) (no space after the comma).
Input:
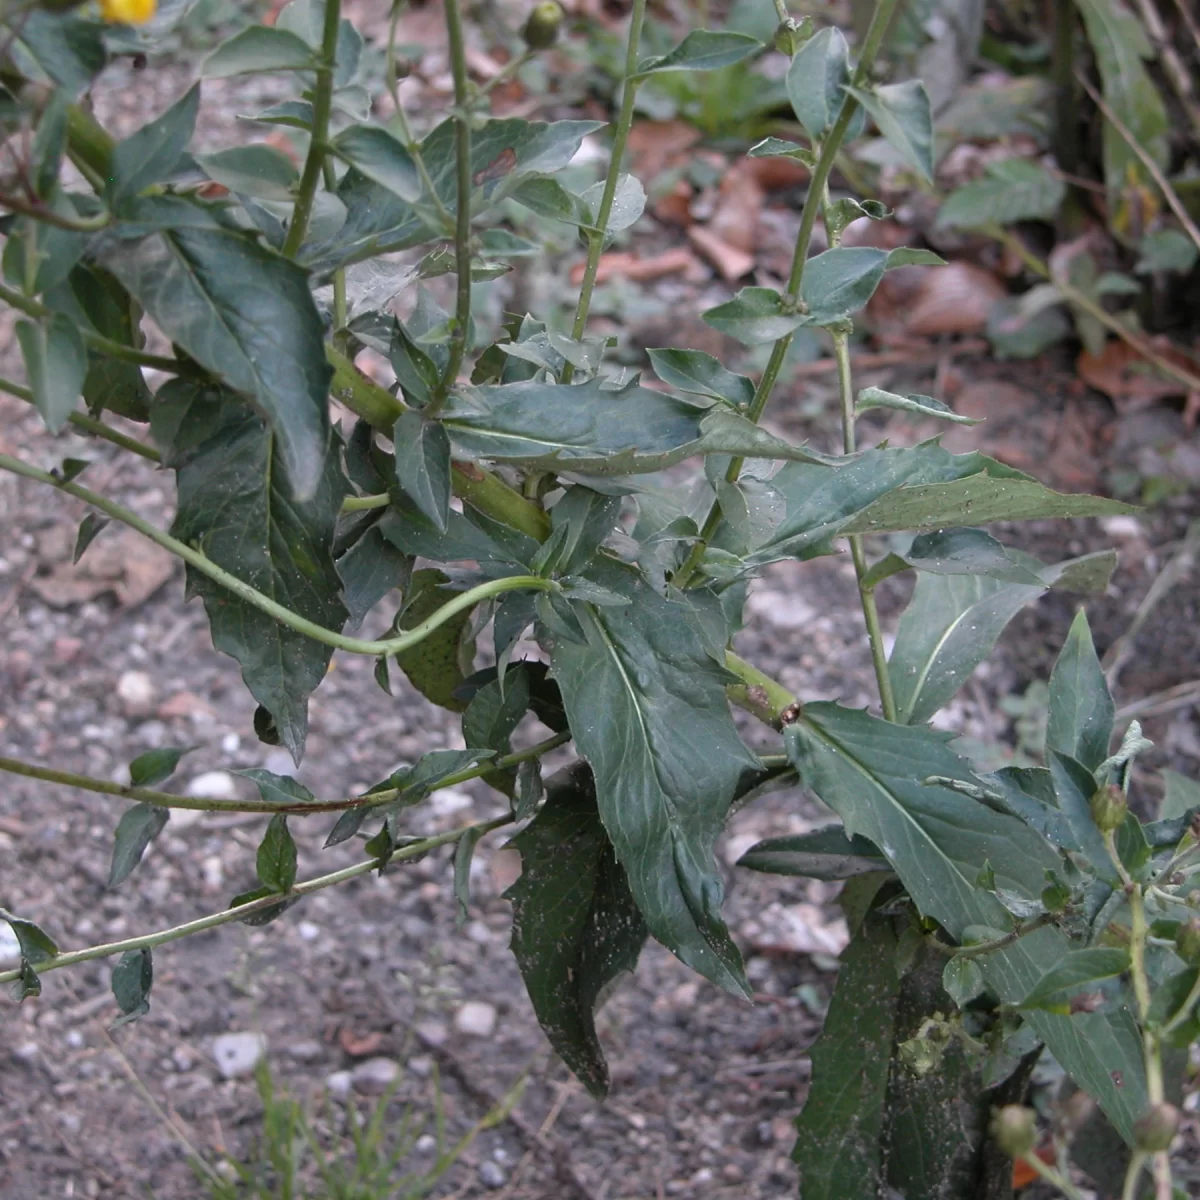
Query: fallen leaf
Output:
(675,207)
(656,145)
(956,298)
(730,262)
(1123,375)
(627,265)
(121,562)
(359,1047)
(739,205)
(776,173)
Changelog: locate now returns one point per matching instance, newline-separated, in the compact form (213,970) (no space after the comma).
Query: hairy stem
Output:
(150,940)
(462,214)
(159,799)
(285,616)
(866,593)
(620,138)
(318,144)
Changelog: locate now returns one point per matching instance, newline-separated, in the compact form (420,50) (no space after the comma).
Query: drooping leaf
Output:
(1074,786)
(822,854)
(89,528)
(237,504)
(137,828)
(132,978)
(646,704)
(436,666)
(695,371)
(1081,713)
(152,768)
(464,854)
(369,570)
(951,624)
(629,202)
(423,465)
(151,154)
(816,81)
(258,170)
(923,406)
(55,365)
(381,158)
(1011,190)
(963,980)
(576,927)
(277,789)
(245,314)
(1077,970)
(275,862)
(841,1125)
(905,118)
(529,789)
(754,316)
(494,712)
(702,50)
(257,49)
(938,841)
(37,946)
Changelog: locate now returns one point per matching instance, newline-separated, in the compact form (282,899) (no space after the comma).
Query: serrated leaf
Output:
(1081,713)
(277,789)
(816,81)
(423,465)
(951,625)
(754,316)
(137,828)
(958,552)
(1077,969)
(592,429)
(576,927)
(587,518)
(647,707)
(752,508)
(839,1130)
(937,841)
(904,117)
(923,406)
(132,978)
(151,154)
(977,500)
(370,569)
(963,980)
(237,505)
(822,854)
(435,666)
(381,158)
(247,316)
(701,50)
(1010,191)
(494,712)
(257,49)
(275,862)
(152,768)
(89,528)
(37,946)
(55,365)
(695,371)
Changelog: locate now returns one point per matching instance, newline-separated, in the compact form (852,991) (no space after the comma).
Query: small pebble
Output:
(434,1033)
(492,1175)
(238,1054)
(213,785)
(476,1018)
(426,1144)
(279,762)
(339,1084)
(421,1066)
(74,1039)
(448,802)
(375,1076)
(26,1052)
(305,1051)
(10,948)
(135,690)
(308,931)
(231,743)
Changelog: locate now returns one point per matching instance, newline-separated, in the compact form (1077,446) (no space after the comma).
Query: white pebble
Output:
(238,1053)
(338,1084)
(135,690)
(476,1018)
(213,785)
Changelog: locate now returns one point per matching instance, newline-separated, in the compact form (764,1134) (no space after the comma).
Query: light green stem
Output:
(285,616)
(758,693)
(47,216)
(462,214)
(150,940)
(318,145)
(620,138)
(359,503)
(829,150)
(159,799)
(866,593)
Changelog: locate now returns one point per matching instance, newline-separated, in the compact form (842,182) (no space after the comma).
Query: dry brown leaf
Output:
(120,562)
(956,298)
(359,1047)
(776,173)
(1123,375)
(675,206)
(656,145)
(739,205)
(626,265)
(731,263)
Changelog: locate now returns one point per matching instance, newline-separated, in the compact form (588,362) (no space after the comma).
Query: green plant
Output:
(1003,894)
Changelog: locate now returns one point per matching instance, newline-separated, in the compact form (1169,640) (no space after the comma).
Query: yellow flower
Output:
(128,12)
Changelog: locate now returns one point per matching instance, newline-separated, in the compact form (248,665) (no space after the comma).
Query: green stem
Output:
(318,144)
(1184,1011)
(462,215)
(758,693)
(866,593)
(359,503)
(150,940)
(89,424)
(1052,1176)
(273,608)
(620,138)
(159,799)
(829,151)
(47,216)
(981,948)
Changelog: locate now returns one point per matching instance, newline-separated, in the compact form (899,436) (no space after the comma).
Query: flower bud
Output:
(541,29)
(1187,942)
(1014,1130)
(792,34)
(1156,1128)
(1108,807)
